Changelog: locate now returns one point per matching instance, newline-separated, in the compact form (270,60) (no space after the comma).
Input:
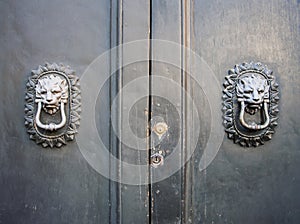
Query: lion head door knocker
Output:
(250,104)
(52,105)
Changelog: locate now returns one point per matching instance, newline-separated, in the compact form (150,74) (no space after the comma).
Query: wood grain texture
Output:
(135,26)
(39,185)
(166,194)
(258,185)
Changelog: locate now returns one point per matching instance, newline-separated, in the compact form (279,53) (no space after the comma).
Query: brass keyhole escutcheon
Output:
(157,160)
(160,128)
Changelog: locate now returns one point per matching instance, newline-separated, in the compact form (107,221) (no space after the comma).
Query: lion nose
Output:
(49,97)
(255,96)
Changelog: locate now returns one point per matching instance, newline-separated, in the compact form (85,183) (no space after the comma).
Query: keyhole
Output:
(157,160)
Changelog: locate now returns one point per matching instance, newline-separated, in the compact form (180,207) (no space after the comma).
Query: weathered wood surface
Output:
(258,185)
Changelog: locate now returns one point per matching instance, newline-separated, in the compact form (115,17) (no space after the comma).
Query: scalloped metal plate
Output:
(53,138)
(231,106)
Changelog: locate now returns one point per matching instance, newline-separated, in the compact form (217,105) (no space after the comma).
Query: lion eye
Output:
(55,91)
(260,91)
(248,91)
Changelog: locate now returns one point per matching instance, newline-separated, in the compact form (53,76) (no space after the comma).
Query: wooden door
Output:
(240,184)
(151,147)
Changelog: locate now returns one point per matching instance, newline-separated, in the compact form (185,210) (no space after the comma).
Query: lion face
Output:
(253,89)
(51,90)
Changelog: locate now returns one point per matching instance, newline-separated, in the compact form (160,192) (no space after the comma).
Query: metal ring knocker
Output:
(255,126)
(51,126)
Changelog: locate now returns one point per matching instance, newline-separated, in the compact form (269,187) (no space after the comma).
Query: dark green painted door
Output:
(156,100)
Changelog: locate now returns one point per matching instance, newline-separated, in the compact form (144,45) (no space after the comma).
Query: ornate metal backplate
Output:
(250,106)
(52,105)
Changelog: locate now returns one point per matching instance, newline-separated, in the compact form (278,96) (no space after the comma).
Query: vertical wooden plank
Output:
(134,27)
(115,80)
(187,113)
(166,106)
